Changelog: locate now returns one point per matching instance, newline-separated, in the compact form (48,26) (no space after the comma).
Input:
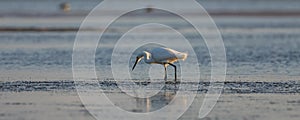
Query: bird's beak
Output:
(136,61)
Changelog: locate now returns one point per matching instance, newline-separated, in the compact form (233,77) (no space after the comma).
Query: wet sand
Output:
(66,105)
(230,87)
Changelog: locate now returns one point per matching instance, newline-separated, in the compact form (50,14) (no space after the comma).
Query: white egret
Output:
(163,56)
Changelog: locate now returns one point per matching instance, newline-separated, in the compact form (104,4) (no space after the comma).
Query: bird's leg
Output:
(165,66)
(175,70)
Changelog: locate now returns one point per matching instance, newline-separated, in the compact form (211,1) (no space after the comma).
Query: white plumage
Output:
(167,55)
(161,55)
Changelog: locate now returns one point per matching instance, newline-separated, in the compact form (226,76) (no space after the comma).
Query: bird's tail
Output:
(182,56)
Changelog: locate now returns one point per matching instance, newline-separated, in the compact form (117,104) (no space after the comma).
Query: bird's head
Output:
(139,58)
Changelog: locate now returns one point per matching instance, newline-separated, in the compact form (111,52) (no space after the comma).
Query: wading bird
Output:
(163,56)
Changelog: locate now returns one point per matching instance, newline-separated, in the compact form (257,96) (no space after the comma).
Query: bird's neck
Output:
(147,57)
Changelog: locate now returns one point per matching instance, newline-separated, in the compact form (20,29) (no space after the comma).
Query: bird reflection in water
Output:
(163,98)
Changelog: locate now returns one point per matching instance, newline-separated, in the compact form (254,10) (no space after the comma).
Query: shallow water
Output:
(269,47)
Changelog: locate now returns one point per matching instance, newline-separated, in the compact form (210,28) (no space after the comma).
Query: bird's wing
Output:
(167,55)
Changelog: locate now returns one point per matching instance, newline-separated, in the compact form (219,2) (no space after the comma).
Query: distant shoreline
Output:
(211,12)
(42,29)
(77,17)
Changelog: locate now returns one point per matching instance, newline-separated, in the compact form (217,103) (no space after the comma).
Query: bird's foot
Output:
(168,82)
(172,82)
